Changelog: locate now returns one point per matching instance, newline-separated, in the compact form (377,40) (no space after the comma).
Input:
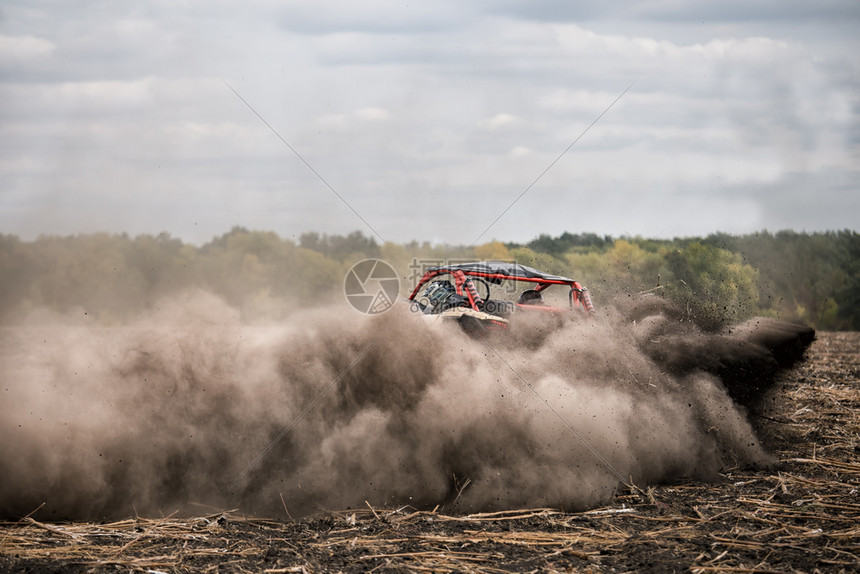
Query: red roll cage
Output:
(496,272)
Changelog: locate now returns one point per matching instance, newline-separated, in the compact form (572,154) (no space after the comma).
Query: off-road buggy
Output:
(487,295)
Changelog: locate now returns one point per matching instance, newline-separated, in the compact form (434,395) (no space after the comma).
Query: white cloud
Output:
(500,120)
(21,48)
(372,114)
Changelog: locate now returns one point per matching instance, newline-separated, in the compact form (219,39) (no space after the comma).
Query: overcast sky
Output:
(429,119)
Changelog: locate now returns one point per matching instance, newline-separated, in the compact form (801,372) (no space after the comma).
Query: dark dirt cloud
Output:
(167,412)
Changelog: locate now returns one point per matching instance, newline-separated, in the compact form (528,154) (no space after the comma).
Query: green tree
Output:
(713,284)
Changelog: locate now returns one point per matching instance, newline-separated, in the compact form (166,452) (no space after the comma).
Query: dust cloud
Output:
(190,409)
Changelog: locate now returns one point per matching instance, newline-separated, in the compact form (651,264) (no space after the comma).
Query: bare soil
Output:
(802,515)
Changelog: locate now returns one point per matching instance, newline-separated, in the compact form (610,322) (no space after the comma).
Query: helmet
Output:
(530,297)
(438,291)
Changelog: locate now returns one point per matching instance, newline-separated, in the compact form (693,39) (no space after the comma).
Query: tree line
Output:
(718,279)
(808,278)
